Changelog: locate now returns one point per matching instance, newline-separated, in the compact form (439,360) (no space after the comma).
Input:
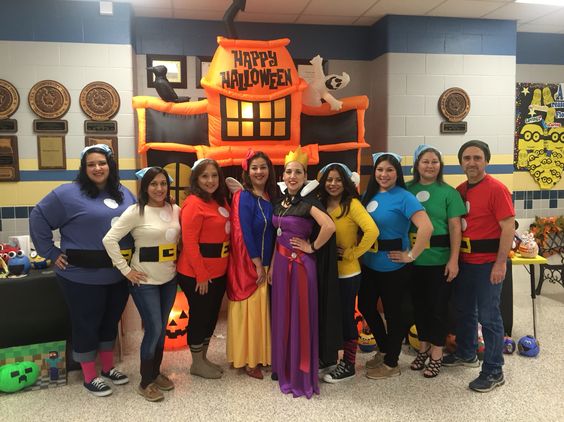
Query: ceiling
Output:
(529,17)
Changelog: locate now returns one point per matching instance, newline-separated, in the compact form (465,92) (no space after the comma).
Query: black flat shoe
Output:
(274,376)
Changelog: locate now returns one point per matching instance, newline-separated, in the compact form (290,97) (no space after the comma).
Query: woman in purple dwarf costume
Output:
(295,311)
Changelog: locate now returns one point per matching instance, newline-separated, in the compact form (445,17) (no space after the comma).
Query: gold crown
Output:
(297,155)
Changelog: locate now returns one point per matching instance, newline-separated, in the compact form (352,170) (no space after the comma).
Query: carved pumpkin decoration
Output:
(177,327)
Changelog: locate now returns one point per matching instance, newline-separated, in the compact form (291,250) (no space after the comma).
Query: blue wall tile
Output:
(520,195)
(498,44)
(553,203)
(537,194)
(528,204)
(21,212)
(8,212)
(544,194)
(463,44)
(535,48)
(420,42)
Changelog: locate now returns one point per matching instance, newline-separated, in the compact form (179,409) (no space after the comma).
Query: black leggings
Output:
(431,293)
(393,288)
(204,309)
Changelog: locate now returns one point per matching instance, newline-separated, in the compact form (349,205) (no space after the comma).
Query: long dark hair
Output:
(373,186)
(349,189)
(417,175)
(89,188)
(148,177)
(220,194)
(270,187)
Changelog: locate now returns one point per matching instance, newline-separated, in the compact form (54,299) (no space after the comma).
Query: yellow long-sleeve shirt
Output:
(347,236)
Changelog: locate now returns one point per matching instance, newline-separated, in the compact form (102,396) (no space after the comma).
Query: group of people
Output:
(319,245)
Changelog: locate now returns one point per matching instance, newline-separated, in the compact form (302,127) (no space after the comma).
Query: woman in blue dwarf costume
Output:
(95,291)
(155,226)
(252,242)
(386,272)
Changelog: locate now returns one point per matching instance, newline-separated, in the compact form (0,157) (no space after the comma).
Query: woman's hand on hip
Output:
(301,244)
(136,277)
(61,262)
(202,288)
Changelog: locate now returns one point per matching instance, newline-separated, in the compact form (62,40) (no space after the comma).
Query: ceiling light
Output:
(543,2)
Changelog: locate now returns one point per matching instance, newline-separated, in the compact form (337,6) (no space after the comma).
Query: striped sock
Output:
(349,349)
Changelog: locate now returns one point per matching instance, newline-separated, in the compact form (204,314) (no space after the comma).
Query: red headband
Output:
(245,162)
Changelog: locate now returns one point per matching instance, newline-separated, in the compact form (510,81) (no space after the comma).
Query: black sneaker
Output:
(115,376)
(485,383)
(342,372)
(453,360)
(325,368)
(98,387)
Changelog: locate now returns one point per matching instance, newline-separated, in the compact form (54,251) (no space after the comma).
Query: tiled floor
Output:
(534,390)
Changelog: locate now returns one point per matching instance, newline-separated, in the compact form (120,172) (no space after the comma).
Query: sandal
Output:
(433,368)
(419,362)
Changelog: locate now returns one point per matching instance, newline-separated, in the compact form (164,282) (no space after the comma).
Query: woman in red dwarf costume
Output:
(299,315)
(202,263)
(252,241)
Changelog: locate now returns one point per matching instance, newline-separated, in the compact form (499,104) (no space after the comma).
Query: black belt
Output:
(387,245)
(161,253)
(87,258)
(479,246)
(436,241)
(214,250)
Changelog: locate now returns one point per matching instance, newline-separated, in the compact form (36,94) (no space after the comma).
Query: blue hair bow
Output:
(139,174)
(377,155)
(107,150)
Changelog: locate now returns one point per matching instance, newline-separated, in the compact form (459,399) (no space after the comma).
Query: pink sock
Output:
(88,370)
(107,360)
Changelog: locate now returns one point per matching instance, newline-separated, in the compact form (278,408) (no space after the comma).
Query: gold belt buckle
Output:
(467,248)
(225,249)
(412,238)
(127,254)
(167,252)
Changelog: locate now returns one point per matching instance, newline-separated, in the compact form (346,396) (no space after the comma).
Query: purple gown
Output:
(295,350)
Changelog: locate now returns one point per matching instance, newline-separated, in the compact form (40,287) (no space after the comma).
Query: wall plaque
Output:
(9,161)
(8,126)
(49,99)
(50,126)
(454,105)
(9,99)
(51,152)
(99,101)
(100,128)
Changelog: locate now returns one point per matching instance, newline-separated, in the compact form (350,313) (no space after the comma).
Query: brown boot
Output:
(150,393)
(382,372)
(210,363)
(376,361)
(201,368)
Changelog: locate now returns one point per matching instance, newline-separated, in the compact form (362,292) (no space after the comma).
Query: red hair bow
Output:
(245,162)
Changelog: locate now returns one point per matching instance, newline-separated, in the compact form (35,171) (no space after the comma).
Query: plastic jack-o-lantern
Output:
(177,327)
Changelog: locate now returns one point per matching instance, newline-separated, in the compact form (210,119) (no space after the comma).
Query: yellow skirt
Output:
(248,330)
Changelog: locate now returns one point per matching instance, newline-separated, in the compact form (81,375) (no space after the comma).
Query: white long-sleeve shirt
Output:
(158,226)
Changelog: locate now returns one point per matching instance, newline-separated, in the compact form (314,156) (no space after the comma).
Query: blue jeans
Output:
(477,300)
(154,303)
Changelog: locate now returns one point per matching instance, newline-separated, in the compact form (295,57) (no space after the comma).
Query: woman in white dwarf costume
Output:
(95,291)
(155,227)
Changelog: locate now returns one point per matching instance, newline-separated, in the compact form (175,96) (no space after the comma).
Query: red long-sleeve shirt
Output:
(202,222)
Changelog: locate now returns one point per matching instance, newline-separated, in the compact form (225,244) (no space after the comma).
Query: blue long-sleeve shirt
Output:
(83,222)
(255,215)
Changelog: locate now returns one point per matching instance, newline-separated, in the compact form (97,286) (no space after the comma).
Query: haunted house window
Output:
(254,120)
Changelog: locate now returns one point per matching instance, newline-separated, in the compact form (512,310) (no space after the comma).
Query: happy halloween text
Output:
(255,72)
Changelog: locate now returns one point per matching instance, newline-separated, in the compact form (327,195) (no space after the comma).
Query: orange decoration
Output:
(177,327)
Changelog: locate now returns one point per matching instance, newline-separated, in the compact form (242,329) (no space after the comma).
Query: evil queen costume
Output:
(306,314)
